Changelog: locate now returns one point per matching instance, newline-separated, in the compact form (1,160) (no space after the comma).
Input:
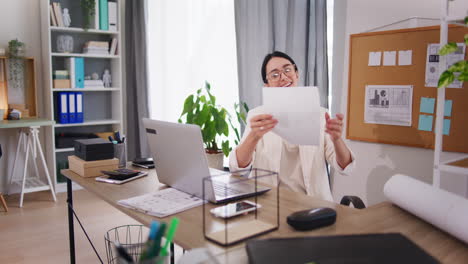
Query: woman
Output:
(301,168)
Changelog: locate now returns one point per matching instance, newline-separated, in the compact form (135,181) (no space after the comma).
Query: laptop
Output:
(180,161)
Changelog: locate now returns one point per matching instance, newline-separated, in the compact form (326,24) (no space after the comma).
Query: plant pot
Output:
(215,160)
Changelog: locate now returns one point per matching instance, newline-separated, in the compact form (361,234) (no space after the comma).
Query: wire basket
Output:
(130,237)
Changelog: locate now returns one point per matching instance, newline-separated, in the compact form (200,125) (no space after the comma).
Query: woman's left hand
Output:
(334,127)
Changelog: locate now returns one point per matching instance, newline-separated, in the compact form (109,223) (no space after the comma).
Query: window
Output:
(190,42)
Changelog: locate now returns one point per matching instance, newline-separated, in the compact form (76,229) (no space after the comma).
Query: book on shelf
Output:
(96,47)
(96,44)
(53,20)
(93,83)
(70,66)
(112,15)
(94,21)
(101,51)
(113,48)
(58,13)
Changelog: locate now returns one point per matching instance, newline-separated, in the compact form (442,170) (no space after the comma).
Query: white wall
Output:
(20,19)
(376,163)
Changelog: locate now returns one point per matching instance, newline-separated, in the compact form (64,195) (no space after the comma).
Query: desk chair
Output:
(1,195)
(347,199)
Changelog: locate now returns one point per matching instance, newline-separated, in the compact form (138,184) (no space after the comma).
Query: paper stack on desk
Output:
(162,203)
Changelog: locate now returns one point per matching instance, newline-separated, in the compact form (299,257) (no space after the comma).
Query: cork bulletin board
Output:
(362,75)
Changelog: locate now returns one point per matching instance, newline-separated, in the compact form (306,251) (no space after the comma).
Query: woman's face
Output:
(281,72)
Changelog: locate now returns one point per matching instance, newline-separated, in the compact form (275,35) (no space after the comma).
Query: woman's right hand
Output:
(261,124)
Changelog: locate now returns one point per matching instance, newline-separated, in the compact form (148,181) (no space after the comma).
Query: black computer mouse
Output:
(312,218)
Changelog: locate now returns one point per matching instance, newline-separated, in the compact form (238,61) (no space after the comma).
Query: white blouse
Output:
(300,168)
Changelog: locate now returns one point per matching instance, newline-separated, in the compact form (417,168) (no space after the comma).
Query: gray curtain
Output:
(296,27)
(136,78)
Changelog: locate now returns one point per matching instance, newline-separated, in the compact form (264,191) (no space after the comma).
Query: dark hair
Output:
(269,56)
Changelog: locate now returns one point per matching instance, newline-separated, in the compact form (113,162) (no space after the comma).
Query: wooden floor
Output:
(38,232)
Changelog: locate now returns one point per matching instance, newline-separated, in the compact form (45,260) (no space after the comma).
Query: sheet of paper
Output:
(405,57)
(432,64)
(427,105)
(374,58)
(425,122)
(388,104)
(297,110)
(389,58)
(448,108)
(446,127)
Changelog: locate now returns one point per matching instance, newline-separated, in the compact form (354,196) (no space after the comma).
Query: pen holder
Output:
(120,152)
(132,239)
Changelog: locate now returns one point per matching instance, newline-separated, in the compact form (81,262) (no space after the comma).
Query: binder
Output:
(62,108)
(70,66)
(79,72)
(103,15)
(112,14)
(95,19)
(71,107)
(79,107)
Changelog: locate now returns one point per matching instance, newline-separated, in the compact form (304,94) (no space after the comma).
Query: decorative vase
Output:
(65,44)
(215,160)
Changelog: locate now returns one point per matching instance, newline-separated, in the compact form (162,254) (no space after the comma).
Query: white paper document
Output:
(432,64)
(162,203)
(405,57)
(388,104)
(374,58)
(389,58)
(297,110)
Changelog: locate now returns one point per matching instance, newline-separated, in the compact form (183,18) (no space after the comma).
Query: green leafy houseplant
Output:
(16,48)
(459,68)
(214,120)
(88,12)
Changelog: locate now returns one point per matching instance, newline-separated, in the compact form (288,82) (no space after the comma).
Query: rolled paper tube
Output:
(441,208)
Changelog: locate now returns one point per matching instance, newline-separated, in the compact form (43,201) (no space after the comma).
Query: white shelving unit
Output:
(102,107)
(459,165)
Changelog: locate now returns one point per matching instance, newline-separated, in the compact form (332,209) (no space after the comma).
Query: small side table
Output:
(29,139)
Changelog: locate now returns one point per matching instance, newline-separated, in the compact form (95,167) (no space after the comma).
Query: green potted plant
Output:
(89,11)
(16,48)
(458,70)
(214,120)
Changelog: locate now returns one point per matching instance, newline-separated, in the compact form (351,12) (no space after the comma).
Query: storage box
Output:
(91,168)
(62,83)
(94,149)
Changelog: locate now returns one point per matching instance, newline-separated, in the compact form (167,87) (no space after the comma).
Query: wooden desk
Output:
(381,218)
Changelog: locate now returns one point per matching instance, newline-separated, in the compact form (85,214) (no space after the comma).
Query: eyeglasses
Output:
(275,75)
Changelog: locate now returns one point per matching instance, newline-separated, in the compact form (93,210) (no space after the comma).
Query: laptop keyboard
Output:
(222,190)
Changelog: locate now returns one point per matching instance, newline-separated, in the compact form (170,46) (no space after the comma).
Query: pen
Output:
(117,136)
(157,242)
(170,235)
(146,254)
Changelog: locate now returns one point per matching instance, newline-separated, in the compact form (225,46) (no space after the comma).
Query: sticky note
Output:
(448,108)
(425,122)
(427,105)
(389,58)
(374,58)
(446,126)
(404,57)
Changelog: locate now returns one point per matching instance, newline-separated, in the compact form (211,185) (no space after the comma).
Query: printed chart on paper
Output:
(388,104)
